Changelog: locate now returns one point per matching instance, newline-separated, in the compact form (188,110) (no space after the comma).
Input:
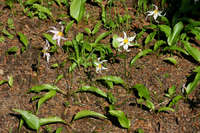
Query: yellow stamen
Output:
(99,66)
(125,40)
(155,11)
(60,34)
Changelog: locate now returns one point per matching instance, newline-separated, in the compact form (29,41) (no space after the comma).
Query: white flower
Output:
(195,1)
(45,51)
(99,66)
(125,42)
(155,13)
(58,35)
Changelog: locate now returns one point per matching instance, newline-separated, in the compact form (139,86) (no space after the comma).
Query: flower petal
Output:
(119,39)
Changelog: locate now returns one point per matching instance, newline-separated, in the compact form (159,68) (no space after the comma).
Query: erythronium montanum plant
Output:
(58,35)
(99,66)
(125,42)
(155,13)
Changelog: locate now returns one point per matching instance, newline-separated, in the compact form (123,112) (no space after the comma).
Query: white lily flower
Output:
(99,66)
(58,35)
(45,51)
(155,13)
(125,42)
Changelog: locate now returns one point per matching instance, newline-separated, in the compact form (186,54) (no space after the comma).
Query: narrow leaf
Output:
(123,120)
(58,78)
(47,96)
(49,38)
(44,87)
(93,90)
(69,25)
(55,119)
(114,79)
(23,39)
(115,43)
(172,60)
(140,54)
(150,37)
(165,109)
(10,81)
(192,85)
(101,36)
(175,100)
(88,113)
(143,92)
(166,29)
(158,44)
(175,48)
(31,120)
(3,81)
(96,27)
(42,9)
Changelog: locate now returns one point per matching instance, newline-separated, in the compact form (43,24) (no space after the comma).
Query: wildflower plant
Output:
(99,66)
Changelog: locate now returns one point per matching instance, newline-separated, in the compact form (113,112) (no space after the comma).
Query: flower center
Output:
(60,34)
(99,66)
(126,41)
(155,11)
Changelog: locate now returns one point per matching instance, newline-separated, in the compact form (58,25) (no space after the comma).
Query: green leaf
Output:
(176,32)
(44,87)
(101,36)
(30,2)
(31,120)
(123,120)
(5,32)
(166,29)
(10,81)
(115,43)
(59,130)
(96,27)
(150,37)
(88,113)
(111,98)
(171,59)
(172,90)
(88,31)
(69,25)
(143,92)
(165,109)
(3,81)
(140,54)
(110,84)
(58,2)
(93,90)
(194,52)
(23,39)
(175,100)
(55,119)
(77,9)
(58,78)
(149,104)
(175,48)
(49,38)
(158,44)
(192,85)
(42,9)
(114,79)
(44,98)
(12,50)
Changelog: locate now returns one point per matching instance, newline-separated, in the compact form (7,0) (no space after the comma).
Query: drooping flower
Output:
(45,51)
(155,13)
(99,66)
(58,35)
(125,42)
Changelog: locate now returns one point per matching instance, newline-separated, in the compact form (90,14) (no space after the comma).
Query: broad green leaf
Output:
(175,100)
(143,92)
(96,27)
(93,90)
(192,85)
(23,39)
(115,43)
(171,59)
(111,98)
(165,109)
(49,38)
(140,54)
(59,130)
(150,37)
(101,36)
(5,32)
(3,81)
(171,91)
(12,50)
(175,48)
(149,104)
(47,96)
(31,120)
(55,119)
(44,87)
(123,120)
(58,78)
(114,79)
(158,44)
(176,32)
(88,31)
(166,29)
(194,52)
(42,9)
(77,9)
(88,113)
(10,81)
(69,25)
(110,84)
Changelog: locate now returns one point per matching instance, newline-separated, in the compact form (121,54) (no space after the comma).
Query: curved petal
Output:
(156,7)
(131,38)
(125,47)
(125,36)
(53,31)
(103,61)
(119,39)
